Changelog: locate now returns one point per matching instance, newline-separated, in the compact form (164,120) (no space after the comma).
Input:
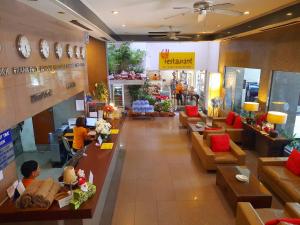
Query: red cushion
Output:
(220,143)
(230,118)
(288,220)
(191,110)
(237,123)
(293,162)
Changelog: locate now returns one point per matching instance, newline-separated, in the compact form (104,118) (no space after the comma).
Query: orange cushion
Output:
(238,123)
(220,143)
(192,110)
(293,162)
(230,118)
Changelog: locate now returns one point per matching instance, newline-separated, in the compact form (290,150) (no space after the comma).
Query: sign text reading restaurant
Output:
(176,60)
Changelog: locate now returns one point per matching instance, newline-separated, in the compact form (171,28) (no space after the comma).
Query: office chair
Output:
(68,148)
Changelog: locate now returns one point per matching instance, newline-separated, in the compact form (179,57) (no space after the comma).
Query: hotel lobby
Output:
(150,112)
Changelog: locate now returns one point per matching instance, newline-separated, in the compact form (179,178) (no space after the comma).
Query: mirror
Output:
(241,85)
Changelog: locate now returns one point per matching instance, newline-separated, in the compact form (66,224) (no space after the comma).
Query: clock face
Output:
(44,49)
(70,51)
(58,50)
(82,51)
(23,46)
(77,52)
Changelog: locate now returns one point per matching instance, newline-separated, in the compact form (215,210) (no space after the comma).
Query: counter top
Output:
(97,161)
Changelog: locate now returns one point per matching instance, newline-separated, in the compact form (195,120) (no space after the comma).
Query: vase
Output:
(105,137)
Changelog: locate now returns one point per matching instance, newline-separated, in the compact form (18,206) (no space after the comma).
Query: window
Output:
(285,97)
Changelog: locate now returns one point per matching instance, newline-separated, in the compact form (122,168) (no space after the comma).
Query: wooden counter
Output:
(102,164)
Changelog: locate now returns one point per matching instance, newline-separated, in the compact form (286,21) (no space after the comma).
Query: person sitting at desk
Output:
(80,134)
(30,170)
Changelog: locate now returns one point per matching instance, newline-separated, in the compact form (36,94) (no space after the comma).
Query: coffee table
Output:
(235,191)
(191,127)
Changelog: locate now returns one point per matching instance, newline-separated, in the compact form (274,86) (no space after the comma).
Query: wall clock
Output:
(82,51)
(58,50)
(23,46)
(77,52)
(70,51)
(44,49)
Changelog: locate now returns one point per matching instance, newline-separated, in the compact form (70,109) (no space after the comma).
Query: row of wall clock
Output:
(24,49)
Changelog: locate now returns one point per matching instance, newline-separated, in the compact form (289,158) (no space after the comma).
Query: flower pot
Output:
(164,114)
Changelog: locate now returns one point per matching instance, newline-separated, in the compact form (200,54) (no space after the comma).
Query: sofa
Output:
(184,119)
(273,173)
(247,215)
(209,159)
(234,133)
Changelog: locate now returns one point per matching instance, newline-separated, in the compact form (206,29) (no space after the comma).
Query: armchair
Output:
(209,159)
(184,119)
(247,215)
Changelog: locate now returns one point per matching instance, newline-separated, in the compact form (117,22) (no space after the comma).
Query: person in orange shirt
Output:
(30,170)
(80,134)
(179,91)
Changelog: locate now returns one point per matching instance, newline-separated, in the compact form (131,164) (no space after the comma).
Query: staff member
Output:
(80,134)
(179,91)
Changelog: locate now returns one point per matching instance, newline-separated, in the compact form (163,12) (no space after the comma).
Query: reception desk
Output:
(263,144)
(102,164)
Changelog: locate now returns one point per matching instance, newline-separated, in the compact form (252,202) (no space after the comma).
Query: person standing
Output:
(179,92)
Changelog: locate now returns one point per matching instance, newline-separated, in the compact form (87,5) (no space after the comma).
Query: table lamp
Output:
(250,107)
(275,118)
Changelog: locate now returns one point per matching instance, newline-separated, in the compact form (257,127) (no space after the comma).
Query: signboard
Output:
(176,60)
(6,149)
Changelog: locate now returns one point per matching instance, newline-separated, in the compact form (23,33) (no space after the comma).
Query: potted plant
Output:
(166,108)
(101,92)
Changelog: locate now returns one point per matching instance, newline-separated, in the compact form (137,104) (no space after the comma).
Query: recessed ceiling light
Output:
(289,14)
(61,12)
(228,32)
(246,13)
(218,25)
(115,12)
(123,25)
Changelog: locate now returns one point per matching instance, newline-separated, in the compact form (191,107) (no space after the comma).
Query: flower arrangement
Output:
(108,109)
(103,127)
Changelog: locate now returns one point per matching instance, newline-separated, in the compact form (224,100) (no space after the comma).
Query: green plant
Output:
(134,91)
(124,58)
(166,106)
(101,91)
(294,143)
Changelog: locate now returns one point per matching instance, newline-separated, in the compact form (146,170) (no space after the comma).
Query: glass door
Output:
(118,95)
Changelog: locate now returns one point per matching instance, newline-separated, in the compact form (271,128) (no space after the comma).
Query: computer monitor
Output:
(91,122)
(71,122)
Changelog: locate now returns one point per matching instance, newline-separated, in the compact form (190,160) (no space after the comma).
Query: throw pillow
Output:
(212,128)
(288,220)
(238,123)
(293,162)
(220,143)
(192,111)
(230,118)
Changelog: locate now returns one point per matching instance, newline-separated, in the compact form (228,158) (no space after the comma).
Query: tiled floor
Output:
(160,181)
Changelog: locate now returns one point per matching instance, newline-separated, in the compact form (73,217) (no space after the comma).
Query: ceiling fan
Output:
(171,35)
(204,7)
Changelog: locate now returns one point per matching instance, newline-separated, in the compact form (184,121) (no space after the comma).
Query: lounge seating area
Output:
(220,148)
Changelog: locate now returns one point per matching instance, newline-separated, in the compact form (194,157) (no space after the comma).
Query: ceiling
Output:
(139,17)
(142,16)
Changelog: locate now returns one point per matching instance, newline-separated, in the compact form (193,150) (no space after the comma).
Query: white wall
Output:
(206,53)
(27,136)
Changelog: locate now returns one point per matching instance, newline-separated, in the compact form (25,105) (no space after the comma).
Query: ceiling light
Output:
(123,25)
(289,14)
(218,25)
(228,32)
(61,12)
(115,12)
(246,13)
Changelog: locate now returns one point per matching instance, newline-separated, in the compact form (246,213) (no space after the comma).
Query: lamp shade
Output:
(276,117)
(251,106)
(280,106)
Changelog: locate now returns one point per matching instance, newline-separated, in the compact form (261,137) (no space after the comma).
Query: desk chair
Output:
(68,148)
